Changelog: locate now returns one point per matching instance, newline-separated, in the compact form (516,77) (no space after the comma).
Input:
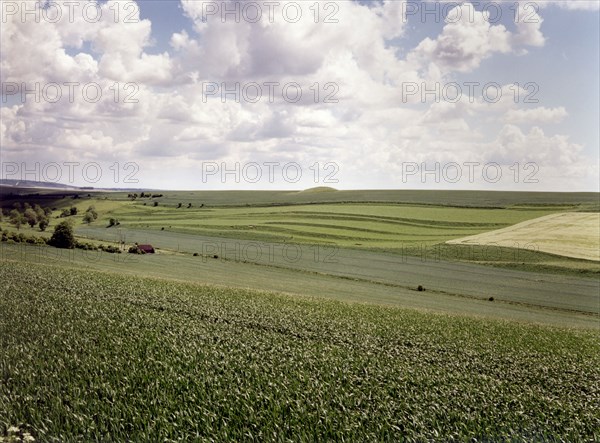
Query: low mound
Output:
(571,234)
(318,189)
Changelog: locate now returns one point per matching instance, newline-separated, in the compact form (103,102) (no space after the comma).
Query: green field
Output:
(368,225)
(92,356)
(474,199)
(454,288)
(501,343)
(405,229)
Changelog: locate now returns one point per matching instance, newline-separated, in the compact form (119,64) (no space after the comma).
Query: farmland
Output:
(372,225)
(298,316)
(156,359)
(571,234)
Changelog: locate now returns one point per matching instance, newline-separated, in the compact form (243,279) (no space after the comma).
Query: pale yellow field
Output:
(571,234)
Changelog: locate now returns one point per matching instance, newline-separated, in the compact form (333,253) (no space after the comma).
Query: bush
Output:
(110,249)
(135,250)
(63,236)
(420,288)
(14,237)
(86,246)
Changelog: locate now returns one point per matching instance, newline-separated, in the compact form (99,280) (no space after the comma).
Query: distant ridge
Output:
(37,184)
(32,184)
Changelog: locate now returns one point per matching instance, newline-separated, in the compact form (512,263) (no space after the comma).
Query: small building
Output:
(148,249)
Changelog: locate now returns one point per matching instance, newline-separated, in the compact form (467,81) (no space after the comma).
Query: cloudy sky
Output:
(289,95)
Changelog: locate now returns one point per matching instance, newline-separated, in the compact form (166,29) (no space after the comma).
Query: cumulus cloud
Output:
(529,24)
(366,128)
(470,36)
(464,42)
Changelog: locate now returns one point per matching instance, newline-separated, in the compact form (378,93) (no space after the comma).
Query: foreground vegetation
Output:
(100,356)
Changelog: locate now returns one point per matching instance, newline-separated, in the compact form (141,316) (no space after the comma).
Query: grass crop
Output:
(86,355)
(349,225)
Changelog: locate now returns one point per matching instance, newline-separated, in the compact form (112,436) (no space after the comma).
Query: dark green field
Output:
(89,356)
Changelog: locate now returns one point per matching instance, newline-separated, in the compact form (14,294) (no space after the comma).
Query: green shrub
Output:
(63,236)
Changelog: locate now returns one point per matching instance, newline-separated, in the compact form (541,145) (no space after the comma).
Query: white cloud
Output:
(368,132)
(470,36)
(573,5)
(37,48)
(464,42)
(529,26)
(536,115)
(513,145)
(280,48)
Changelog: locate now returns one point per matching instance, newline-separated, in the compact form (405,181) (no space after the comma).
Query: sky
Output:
(192,94)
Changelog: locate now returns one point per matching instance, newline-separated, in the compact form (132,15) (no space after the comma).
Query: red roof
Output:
(148,249)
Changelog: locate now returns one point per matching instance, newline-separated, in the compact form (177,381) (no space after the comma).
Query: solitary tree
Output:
(88,218)
(90,215)
(63,236)
(43,224)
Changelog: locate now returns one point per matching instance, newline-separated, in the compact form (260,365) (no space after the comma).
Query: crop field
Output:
(349,225)
(357,276)
(405,230)
(570,234)
(399,228)
(318,316)
(88,356)
(471,199)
